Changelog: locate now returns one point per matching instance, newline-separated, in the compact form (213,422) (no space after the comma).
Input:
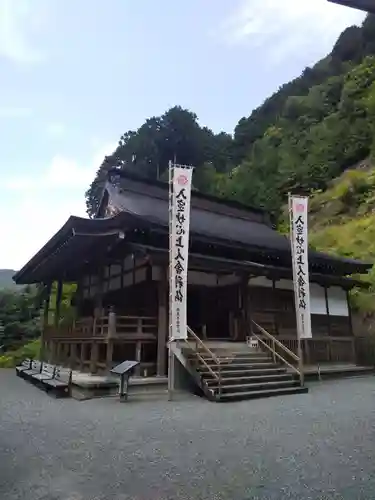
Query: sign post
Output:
(180,179)
(298,210)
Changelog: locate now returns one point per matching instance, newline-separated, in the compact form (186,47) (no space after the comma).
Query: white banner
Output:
(179,250)
(299,242)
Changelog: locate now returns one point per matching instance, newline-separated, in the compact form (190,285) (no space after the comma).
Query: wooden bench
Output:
(61,382)
(35,368)
(25,365)
(47,372)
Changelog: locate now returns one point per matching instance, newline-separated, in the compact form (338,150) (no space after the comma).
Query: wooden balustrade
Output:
(53,332)
(115,326)
(83,328)
(136,326)
(101,326)
(323,349)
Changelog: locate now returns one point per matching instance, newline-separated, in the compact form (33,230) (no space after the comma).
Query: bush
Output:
(6,362)
(12,358)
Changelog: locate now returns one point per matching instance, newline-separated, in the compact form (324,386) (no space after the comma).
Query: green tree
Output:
(19,316)
(174,135)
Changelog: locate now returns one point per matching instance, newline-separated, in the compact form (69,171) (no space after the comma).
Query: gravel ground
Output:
(311,446)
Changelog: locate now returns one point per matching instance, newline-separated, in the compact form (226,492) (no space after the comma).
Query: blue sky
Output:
(76,74)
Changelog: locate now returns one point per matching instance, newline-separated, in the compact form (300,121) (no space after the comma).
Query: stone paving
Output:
(319,445)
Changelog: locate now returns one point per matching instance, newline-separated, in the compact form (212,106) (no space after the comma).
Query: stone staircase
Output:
(245,374)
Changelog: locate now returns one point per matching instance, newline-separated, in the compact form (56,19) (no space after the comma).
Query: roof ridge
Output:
(198,194)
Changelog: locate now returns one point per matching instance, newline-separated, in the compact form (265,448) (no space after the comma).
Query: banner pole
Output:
(171,378)
(180,181)
(299,346)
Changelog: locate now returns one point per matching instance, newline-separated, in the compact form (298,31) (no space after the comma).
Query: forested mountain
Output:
(6,278)
(342,221)
(304,135)
(19,316)
(176,134)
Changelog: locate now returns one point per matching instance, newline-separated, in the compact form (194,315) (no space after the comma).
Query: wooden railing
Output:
(51,332)
(278,350)
(111,326)
(323,349)
(83,328)
(200,345)
(136,326)
(101,326)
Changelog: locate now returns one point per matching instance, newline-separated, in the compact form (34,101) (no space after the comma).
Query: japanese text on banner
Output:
(180,250)
(299,224)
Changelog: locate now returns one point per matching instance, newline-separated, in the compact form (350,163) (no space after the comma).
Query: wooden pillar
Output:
(58,303)
(204,332)
(248,307)
(47,351)
(307,359)
(138,357)
(73,355)
(98,299)
(45,321)
(275,316)
(162,324)
(350,317)
(63,352)
(111,324)
(327,310)
(109,354)
(52,351)
(83,356)
(94,357)
(58,353)
(242,327)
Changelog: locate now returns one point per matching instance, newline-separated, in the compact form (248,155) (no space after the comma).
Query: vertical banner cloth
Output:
(299,244)
(179,249)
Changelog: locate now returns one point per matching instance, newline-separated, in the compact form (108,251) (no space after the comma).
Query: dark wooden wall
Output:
(274,310)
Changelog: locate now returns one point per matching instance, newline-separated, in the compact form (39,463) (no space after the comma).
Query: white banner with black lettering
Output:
(298,207)
(179,250)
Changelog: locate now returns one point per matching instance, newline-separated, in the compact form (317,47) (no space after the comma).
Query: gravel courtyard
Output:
(315,446)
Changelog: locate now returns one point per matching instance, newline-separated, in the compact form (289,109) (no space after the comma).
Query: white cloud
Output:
(38,207)
(20,22)
(288,26)
(56,130)
(33,221)
(15,112)
(63,172)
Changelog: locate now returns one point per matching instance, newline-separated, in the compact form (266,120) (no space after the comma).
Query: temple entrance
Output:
(208,312)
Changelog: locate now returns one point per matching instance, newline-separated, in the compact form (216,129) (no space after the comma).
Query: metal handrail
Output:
(277,342)
(202,344)
(217,376)
(275,353)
